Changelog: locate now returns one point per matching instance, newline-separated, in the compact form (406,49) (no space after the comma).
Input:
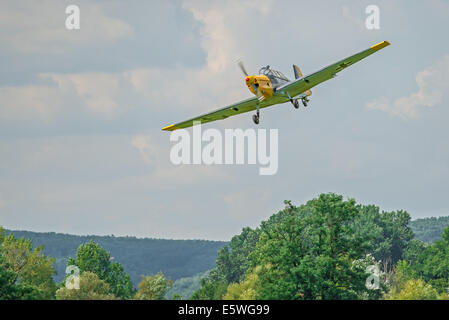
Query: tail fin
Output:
(298,75)
(297,71)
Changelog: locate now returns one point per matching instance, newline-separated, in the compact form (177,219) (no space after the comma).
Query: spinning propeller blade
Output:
(242,67)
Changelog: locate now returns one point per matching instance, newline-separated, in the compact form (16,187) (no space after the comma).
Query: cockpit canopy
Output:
(276,77)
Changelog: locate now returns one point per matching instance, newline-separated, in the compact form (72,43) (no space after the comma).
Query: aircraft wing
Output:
(293,88)
(220,114)
(301,85)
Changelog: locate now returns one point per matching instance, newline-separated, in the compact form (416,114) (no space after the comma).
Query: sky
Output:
(81,112)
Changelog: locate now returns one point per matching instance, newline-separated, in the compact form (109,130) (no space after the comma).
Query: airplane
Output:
(271,87)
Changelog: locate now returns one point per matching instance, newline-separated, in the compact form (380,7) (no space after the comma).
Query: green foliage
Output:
(321,250)
(26,271)
(388,233)
(402,273)
(414,249)
(211,289)
(91,287)
(429,229)
(245,290)
(91,257)
(232,261)
(153,287)
(432,265)
(415,289)
(10,290)
(175,258)
(309,254)
(119,281)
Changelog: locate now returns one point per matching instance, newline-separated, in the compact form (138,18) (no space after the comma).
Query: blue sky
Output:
(81,111)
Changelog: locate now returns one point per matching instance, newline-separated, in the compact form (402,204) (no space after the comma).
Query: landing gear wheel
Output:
(296,104)
(304,103)
(256,118)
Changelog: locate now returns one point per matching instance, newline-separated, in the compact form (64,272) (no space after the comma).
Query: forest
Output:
(328,248)
(175,258)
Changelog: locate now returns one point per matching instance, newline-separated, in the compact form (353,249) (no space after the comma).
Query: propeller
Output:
(254,86)
(242,67)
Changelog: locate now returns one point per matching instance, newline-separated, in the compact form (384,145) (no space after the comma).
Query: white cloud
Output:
(39,27)
(99,92)
(433,86)
(34,102)
(146,150)
(105,94)
(109,94)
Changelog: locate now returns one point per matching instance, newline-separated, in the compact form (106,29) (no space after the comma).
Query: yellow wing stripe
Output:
(380,45)
(169,128)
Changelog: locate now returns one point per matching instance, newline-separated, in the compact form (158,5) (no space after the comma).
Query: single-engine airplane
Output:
(271,87)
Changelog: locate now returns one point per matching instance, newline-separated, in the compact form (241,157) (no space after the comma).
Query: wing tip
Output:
(169,128)
(380,45)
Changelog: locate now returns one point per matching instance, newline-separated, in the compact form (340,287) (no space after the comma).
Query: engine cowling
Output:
(260,86)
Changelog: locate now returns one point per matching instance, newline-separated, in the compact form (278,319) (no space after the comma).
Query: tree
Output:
(27,269)
(211,288)
(11,290)
(309,253)
(91,287)
(397,233)
(402,273)
(387,234)
(432,265)
(429,229)
(415,289)
(93,258)
(153,287)
(8,289)
(245,290)
(414,249)
(232,261)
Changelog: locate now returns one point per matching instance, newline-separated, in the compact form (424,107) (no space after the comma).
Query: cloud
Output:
(146,150)
(105,94)
(91,169)
(163,173)
(32,102)
(40,27)
(112,94)
(433,87)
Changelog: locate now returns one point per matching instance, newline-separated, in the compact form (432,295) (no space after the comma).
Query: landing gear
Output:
(256,116)
(304,102)
(295,103)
